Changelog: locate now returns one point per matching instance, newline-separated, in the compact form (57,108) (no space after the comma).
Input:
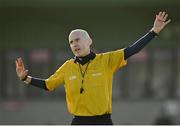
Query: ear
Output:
(90,41)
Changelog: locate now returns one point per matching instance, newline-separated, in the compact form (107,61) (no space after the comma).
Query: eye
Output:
(77,39)
(71,42)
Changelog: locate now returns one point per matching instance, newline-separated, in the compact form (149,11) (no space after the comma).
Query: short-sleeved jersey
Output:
(97,96)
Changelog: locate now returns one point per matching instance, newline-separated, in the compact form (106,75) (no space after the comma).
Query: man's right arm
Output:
(22,73)
(37,82)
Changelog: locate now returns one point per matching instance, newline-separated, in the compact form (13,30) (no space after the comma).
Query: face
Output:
(80,43)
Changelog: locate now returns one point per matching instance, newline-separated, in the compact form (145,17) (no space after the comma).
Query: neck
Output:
(83,60)
(88,52)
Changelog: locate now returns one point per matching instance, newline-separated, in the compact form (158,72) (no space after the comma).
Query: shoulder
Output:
(110,53)
(66,64)
(69,62)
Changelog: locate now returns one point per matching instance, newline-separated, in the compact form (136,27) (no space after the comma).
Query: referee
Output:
(87,77)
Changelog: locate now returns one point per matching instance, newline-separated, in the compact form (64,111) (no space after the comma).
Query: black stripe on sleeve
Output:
(40,83)
(139,44)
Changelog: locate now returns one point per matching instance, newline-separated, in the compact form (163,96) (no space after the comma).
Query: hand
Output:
(20,70)
(160,22)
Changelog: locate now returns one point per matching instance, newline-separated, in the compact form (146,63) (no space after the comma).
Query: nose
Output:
(74,44)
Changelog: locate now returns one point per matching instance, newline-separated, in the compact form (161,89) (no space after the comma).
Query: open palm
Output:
(160,22)
(20,70)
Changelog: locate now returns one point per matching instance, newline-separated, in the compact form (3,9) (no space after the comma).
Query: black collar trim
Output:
(85,59)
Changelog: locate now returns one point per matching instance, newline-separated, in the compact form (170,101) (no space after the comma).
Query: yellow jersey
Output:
(97,96)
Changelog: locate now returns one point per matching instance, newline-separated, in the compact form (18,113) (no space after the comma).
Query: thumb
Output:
(26,72)
(167,22)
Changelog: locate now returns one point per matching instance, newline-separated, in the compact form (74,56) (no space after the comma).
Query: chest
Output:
(90,76)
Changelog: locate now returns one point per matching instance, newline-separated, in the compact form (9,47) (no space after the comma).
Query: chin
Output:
(78,55)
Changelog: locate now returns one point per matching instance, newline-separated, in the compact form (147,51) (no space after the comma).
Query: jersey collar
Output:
(85,59)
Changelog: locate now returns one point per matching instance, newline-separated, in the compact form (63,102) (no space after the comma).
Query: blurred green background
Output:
(37,31)
(45,23)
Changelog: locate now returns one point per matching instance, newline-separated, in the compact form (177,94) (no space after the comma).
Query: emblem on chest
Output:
(73,77)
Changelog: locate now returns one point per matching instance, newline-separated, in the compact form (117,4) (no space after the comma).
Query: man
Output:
(88,77)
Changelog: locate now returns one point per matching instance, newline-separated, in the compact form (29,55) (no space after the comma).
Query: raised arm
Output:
(159,24)
(22,73)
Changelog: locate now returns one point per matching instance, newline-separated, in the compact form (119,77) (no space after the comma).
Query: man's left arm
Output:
(159,24)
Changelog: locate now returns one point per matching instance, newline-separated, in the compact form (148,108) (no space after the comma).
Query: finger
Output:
(20,62)
(167,22)
(165,17)
(18,59)
(158,18)
(16,63)
(162,15)
(158,15)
